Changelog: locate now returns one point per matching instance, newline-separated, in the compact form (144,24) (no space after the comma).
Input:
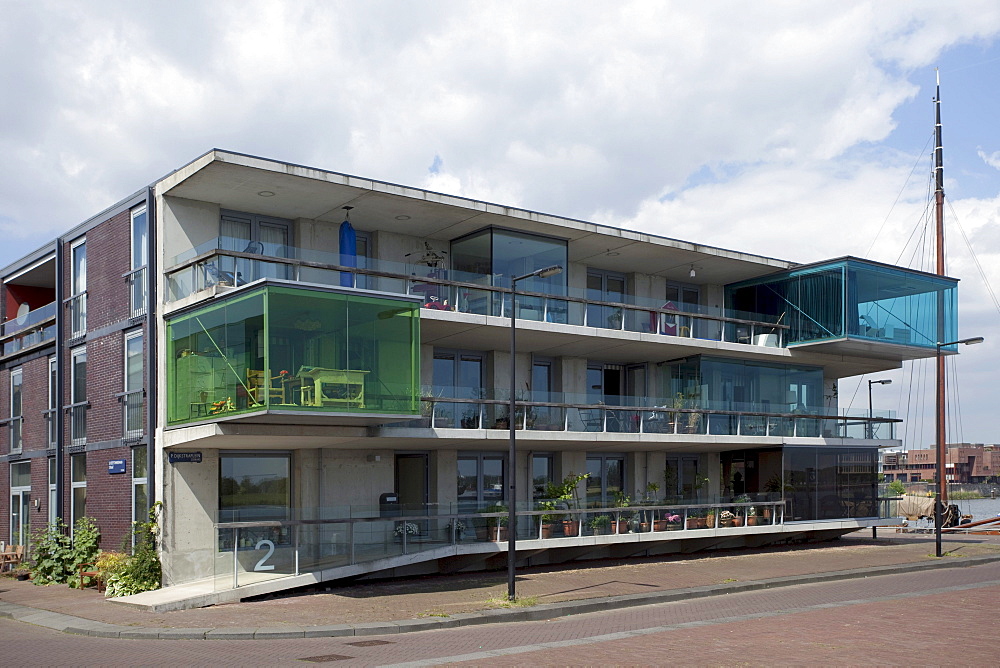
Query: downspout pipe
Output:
(151,356)
(58,413)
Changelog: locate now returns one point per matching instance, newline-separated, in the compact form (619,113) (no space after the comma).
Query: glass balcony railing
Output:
(445,407)
(30,320)
(310,540)
(448,290)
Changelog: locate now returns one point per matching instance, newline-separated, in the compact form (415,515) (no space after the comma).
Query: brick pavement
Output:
(893,620)
(444,597)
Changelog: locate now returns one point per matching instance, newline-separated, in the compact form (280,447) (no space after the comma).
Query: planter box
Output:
(697,523)
(498,533)
(571,528)
(659,525)
(622,526)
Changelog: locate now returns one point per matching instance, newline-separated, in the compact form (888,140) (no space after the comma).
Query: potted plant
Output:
(21,573)
(622,501)
(497,525)
(726,518)
(672,521)
(405,528)
(649,499)
(600,524)
(710,519)
(562,495)
(548,520)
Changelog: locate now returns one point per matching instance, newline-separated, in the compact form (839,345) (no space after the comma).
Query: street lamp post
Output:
(512,455)
(871,426)
(942,491)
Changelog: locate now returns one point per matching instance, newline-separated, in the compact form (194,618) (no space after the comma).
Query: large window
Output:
(830,483)
(494,256)
(294,349)
(16,409)
(459,375)
(53,418)
(481,481)
(606,479)
(259,235)
(254,487)
(20,502)
(78,487)
(605,286)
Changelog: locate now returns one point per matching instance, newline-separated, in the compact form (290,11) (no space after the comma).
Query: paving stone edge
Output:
(81,626)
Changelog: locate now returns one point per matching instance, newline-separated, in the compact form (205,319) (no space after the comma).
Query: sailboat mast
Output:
(942,449)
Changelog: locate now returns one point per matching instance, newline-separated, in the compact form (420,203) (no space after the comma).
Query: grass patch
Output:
(728,580)
(503,602)
(433,613)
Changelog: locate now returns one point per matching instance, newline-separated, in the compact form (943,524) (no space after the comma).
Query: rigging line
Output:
(958,402)
(974,257)
(920,156)
(966,67)
(922,221)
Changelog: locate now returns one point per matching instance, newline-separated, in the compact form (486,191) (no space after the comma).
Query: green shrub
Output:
(139,571)
(56,555)
(897,488)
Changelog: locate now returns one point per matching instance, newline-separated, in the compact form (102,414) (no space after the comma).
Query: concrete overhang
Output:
(236,181)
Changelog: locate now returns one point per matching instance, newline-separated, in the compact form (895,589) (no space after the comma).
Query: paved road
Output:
(933,618)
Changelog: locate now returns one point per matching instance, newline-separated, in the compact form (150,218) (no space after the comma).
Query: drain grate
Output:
(370,643)
(326,658)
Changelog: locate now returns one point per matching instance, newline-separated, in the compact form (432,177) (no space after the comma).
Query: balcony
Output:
(34,328)
(133,415)
(77,306)
(78,422)
(207,268)
(443,408)
(856,307)
(15,426)
(137,292)
(282,349)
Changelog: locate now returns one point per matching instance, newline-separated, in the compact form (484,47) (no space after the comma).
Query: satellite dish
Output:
(22,313)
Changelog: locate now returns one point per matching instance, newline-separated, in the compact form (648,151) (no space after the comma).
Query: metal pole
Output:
(512,455)
(870,414)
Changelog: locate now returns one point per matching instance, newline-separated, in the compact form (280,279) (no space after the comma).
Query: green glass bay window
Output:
(294,349)
(854,299)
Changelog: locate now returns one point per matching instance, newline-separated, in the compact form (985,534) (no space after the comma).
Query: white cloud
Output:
(991,159)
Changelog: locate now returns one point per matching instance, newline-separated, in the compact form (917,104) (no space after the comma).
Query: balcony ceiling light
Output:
(266,193)
(402,217)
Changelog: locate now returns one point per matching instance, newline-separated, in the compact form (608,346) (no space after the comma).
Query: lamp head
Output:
(548,271)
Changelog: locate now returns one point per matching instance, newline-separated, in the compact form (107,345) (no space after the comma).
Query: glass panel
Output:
(78,467)
(15,518)
(15,392)
(139,462)
(79,268)
(541,475)
(595,482)
(20,474)
(52,471)
(140,502)
(79,503)
(254,487)
(79,381)
(468,483)
(494,490)
(133,363)
(139,242)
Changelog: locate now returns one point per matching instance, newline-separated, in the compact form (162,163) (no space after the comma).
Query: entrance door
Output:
(411,482)
(606,287)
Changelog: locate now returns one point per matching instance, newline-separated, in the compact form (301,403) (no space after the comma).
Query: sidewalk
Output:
(422,603)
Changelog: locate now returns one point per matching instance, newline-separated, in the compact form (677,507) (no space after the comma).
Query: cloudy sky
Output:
(790,129)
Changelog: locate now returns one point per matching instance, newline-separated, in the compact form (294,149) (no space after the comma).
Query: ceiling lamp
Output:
(692,273)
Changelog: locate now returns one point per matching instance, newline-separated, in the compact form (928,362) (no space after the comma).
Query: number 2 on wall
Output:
(270,550)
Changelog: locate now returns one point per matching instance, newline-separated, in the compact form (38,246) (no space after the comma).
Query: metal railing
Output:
(51,425)
(137,292)
(133,415)
(15,432)
(636,415)
(464,292)
(77,305)
(32,319)
(78,422)
(252,551)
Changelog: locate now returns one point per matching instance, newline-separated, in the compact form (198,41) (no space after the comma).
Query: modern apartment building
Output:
(312,399)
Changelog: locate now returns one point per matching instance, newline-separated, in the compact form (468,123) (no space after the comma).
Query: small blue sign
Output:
(116,466)
(184,457)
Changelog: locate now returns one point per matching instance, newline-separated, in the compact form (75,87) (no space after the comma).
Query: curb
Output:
(80,626)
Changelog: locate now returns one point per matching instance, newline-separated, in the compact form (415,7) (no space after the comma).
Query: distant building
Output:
(965,463)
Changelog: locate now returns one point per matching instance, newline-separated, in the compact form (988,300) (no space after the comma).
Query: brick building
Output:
(965,463)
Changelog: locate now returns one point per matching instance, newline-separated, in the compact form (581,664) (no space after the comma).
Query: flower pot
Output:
(498,533)
(710,520)
(621,526)
(752,520)
(21,577)
(725,522)
(659,525)
(696,523)
(738,521)
(571,527)
(644,527)
(547,530)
